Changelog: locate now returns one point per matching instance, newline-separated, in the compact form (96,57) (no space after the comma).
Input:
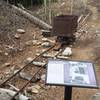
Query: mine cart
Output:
(64,27)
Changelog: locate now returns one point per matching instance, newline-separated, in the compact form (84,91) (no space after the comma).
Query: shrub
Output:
(28,2)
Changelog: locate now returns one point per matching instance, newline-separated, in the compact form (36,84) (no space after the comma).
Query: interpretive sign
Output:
(71,73)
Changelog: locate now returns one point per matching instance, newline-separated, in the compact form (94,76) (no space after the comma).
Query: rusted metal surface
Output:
(65,25)
(24,67)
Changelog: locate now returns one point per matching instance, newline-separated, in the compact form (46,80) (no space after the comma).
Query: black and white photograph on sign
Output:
(75,73)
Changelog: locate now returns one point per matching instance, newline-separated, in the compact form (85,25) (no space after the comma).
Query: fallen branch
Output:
(32,18)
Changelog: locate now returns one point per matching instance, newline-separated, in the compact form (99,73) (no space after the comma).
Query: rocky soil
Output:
(15,48)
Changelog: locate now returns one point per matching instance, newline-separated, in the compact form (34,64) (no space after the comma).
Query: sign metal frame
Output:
(73,85)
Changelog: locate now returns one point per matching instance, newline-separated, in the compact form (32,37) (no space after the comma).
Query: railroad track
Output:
(39,57)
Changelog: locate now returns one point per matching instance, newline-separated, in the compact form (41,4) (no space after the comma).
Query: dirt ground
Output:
(82,50)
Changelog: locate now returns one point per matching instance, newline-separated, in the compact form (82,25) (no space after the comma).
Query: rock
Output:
(20,31)
(62,57)
(44,39)
(43,77)
(46,55)
(1,51)
(77,34)
(39,63)
(28,77)
(50,55)
(43,50)
(48,40)
(36,43)
(6,54)
(96,97)
(10,71)
(17,36)
(7,64)
(28,43)
(37,78)
(67,52)
(6,94)
(21,49)
(37,54)
(46,44)
(34,89)
(29,59)
(98,33)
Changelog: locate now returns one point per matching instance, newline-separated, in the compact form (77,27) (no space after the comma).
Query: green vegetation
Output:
(29,2)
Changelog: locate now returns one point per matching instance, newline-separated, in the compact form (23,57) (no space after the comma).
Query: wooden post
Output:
(7,1)
(72,2)
(59,7)
(45,7)
(50,12)
(31,3)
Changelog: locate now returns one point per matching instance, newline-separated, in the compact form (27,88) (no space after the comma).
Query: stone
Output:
(7,64)
(43,77)
(17,36)
(46,55)
(29,59)
(46,44)
(48,40)
(67,51)
(6,94)
(50,55)
(6,54)
(28,43)
(37,78)
(34,89)
(98,33)
(1,51)
(62,57)
(28,77)
(39,63)
(36,43)
(21,49)
(44,39)
(20,31)
(37,54)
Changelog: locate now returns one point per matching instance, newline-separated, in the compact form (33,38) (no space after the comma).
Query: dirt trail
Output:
(10,22)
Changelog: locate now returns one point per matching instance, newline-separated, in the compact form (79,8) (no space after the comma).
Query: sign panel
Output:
(71,73)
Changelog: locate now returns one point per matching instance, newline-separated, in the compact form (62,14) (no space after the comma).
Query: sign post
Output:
(68,93)
(71,74)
